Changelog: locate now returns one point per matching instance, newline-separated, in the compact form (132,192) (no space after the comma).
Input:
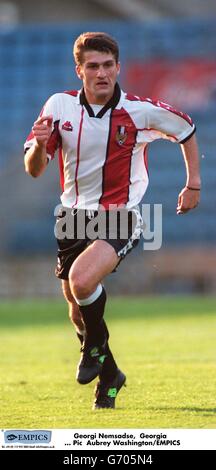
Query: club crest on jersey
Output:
(121,135)
(67,126)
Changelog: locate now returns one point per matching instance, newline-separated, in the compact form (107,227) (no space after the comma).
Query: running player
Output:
(101,134)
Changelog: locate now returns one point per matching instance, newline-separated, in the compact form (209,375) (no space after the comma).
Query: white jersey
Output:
(102,157)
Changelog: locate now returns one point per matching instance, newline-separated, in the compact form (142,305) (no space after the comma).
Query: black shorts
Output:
(123,233)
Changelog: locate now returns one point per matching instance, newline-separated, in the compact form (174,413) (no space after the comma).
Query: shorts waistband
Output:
(91,213)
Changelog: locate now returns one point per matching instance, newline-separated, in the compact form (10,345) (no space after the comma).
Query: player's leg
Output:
(86,281)
(68,251)
(109,369)
(107,390)
(73,311)
(90,267)
(85,277)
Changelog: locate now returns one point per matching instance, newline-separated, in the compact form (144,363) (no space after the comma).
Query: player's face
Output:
(98,72)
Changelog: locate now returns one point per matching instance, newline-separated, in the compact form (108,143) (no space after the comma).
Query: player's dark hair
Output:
(101,42)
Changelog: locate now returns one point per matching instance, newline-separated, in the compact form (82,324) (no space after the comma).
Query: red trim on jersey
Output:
(55,140)
(161,104)
(71,92)
(78,157)
(61,168)
(131,97)
(117,167)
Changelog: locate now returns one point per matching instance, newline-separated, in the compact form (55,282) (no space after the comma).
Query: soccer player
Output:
(101,134)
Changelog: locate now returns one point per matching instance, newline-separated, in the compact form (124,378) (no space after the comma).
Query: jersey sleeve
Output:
(52,108)
(163,121)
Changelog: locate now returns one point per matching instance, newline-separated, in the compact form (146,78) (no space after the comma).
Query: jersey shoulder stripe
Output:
(131,97)
(161,104)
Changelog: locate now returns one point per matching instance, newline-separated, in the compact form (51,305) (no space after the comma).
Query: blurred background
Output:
(168,52)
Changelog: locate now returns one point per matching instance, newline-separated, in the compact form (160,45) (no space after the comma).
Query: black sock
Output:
(110,367)
(92,315)
(106,331)
(97,332)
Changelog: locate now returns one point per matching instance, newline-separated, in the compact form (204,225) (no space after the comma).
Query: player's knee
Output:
(79,283)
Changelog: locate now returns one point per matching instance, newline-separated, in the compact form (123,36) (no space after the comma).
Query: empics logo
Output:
(11,437)
(27,437)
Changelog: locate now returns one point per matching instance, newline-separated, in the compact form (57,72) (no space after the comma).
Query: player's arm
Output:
(189,197)
(36,156)
(168,123)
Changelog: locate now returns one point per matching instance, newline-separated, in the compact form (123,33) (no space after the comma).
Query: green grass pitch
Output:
(166,346)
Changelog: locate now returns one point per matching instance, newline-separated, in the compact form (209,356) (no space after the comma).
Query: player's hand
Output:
(188,199)
(42,129)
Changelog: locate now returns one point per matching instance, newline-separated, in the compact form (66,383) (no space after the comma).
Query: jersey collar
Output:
(111,104)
